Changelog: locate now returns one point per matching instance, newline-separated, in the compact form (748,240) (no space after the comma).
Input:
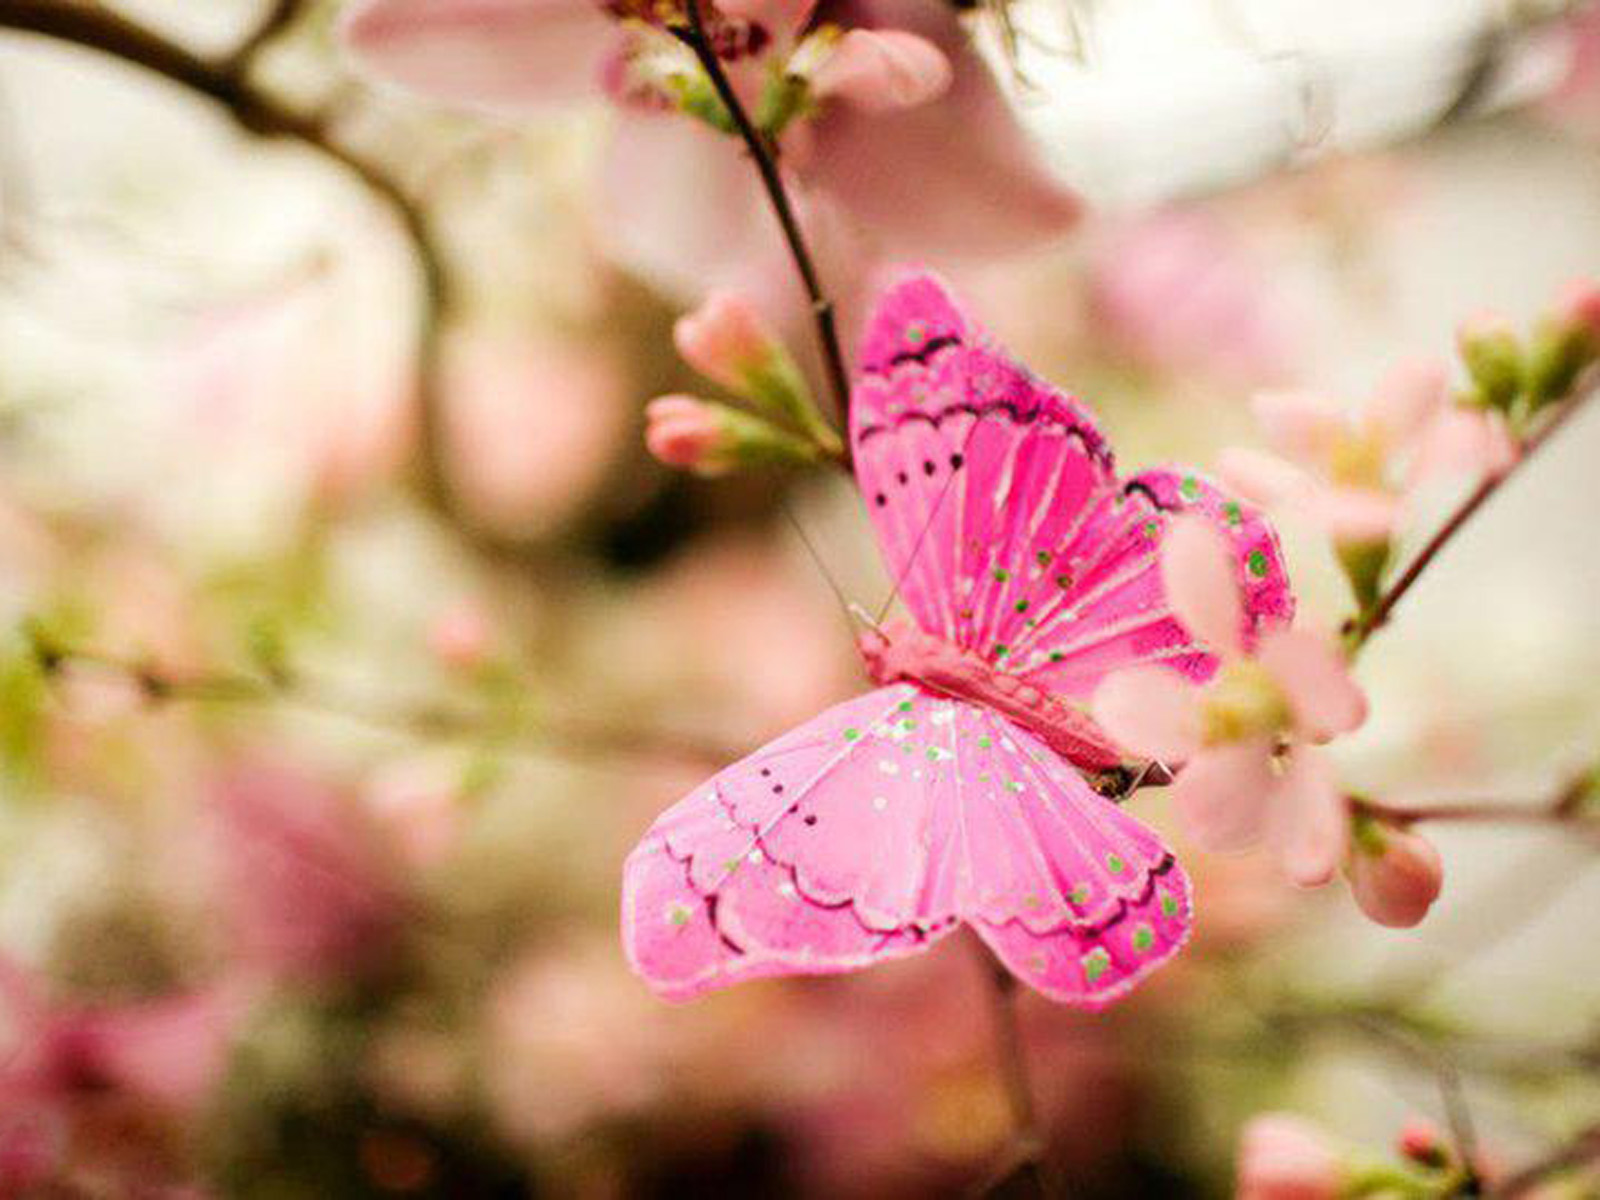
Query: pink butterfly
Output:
(952,793)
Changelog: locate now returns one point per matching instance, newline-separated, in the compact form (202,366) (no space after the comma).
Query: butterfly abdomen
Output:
(904,652)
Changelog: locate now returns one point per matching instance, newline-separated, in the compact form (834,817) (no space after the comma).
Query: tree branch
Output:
(765,156)
(564,738)
(1024,1158)
(1567,805)
(1360,628)
(1583,1150)
(226,84)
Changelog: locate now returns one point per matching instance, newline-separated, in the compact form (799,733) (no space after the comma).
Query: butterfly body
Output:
(904,652)
(951,794)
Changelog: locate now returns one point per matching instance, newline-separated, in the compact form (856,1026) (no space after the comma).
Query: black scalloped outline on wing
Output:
(921,933)
(1087,436)
(921,356)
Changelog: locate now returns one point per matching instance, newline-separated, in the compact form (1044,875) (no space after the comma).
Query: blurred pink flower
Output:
(730,603)
(275,396)
(304,890)
(1176,292)
(1395,874)
(1578,304)
(1422,1142)
(1247,738)
(1576,101)
(1282,1157)
(531,426)
(462,636)
(682,204)
(1352,472)
(418,803)
(65,1066)
(574,1041)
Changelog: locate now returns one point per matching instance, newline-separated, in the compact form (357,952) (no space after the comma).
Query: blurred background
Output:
(349,637)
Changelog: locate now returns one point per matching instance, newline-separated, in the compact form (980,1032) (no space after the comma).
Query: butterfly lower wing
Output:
(868,834)
(1104,902)
(806,857)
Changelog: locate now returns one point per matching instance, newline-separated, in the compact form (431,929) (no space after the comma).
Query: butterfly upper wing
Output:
(871,831)
(1002,519)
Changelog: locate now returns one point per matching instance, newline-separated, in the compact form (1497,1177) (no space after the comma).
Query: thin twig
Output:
(1361,628)
(564,738)
(226,83)
(1567,805)
(1582,1150)
(765,156)
(1024,1158)
(279,15)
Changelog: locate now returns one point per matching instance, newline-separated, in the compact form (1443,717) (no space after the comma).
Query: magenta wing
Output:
(870,832)
(1002,518)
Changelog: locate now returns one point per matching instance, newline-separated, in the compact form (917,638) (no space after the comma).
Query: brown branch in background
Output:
(1361,628)
(565,738)
(1024,1157)
(226,83)
(1567,805)
(1582,1150)
(279,15)
(764,154)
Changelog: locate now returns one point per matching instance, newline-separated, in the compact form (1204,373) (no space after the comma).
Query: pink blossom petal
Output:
(1316,679)
(1222,795)
(880,70)
(1299,425)
(1262,478)
(679,206)
(499,55)
(1282,1157)
(1406,399)
(956,177)
(1308,825)
(1351,514)
(1202,587)
(1464,442)
(1150,711)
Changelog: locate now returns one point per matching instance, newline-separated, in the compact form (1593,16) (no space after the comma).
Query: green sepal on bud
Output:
(784,97)
(1363,564)
(714,439)
(696,96)
(1495,362)
(727,340)
(1560,352)
(777,386)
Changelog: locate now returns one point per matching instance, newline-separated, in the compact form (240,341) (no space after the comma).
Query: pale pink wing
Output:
(869,832)
(803,858)
(1105,902)
(1000,513)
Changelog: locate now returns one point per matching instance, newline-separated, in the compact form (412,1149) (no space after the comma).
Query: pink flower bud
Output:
(1395,875)
(686,433)
(1421,1142)
(724,339)
(1282,1157)
(1578,306)
(880,70)
(460,637)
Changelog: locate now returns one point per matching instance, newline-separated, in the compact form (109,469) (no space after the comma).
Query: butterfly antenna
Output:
(846,605)
(922,536)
